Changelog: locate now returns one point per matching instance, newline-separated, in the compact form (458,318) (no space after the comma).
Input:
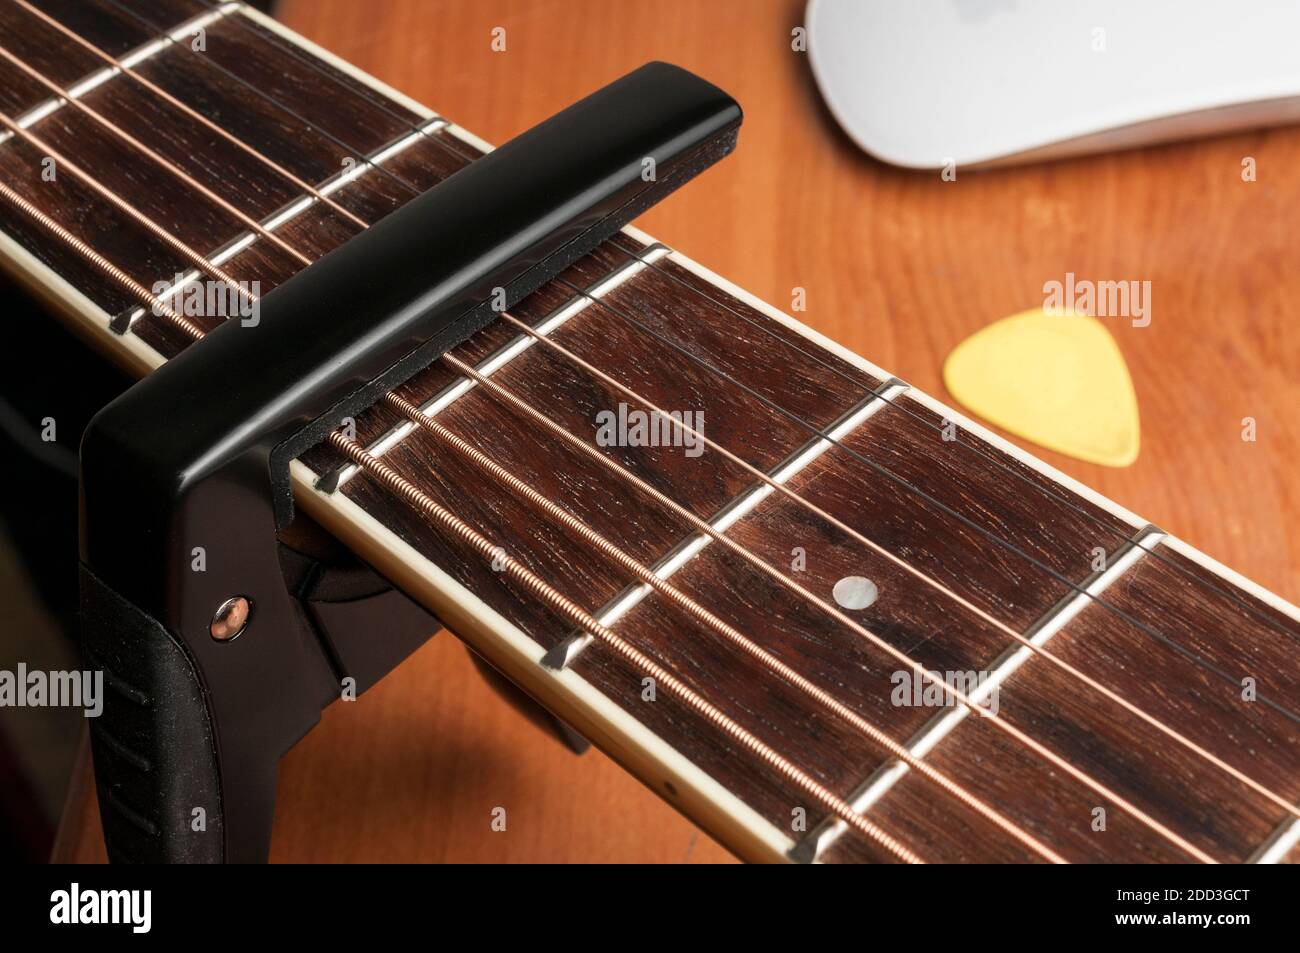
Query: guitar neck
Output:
(862,627)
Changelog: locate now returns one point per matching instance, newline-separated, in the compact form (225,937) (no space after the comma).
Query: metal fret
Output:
(1015,655)
(1282,841)
(735,510)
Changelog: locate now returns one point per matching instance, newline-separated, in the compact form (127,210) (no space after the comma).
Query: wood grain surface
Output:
(899,266)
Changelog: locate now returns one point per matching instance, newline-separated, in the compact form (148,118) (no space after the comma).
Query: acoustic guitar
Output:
(815,610)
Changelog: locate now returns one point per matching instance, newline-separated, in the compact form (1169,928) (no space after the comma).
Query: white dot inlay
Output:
(855,592)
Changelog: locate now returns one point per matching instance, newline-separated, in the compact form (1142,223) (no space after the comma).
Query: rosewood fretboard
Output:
(991,533)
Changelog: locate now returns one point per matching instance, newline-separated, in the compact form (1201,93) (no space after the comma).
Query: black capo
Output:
(197,455)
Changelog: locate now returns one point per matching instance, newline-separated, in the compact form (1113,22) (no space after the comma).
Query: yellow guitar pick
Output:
(1058,380)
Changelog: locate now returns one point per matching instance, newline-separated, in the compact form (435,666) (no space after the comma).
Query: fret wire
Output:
(1278,844)
(425,422)
(884,551)
(793,586)
(910,487)
(159,160)
(153,227)
(987,457)
(576,615)
(349,150)
(110,269)
(193,113)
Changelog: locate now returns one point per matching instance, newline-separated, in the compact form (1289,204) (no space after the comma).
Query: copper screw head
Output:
(230,618)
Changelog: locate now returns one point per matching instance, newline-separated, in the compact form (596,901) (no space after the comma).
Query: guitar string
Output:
(910,487)
(156,158)
(246,25)
(564,517)
(576,615)
(908,567)
(192,113)
(91,255)
(211,64)
(899,404)
(61,161)
(242,24)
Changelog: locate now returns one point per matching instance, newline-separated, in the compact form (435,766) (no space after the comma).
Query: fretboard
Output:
(824,615)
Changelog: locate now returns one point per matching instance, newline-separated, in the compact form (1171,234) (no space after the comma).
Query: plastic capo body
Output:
(197,455)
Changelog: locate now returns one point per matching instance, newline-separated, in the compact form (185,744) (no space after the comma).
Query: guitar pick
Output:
(1057,380)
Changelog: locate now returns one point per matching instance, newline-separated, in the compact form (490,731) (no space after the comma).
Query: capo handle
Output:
(155,755)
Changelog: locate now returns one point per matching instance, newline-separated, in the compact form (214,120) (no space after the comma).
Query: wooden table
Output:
(899,266)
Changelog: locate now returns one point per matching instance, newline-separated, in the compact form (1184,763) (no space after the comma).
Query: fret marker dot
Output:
(854,592)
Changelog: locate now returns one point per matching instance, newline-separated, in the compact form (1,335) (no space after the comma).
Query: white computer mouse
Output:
(935,83)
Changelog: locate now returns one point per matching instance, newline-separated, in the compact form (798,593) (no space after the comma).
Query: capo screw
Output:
(230,619)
